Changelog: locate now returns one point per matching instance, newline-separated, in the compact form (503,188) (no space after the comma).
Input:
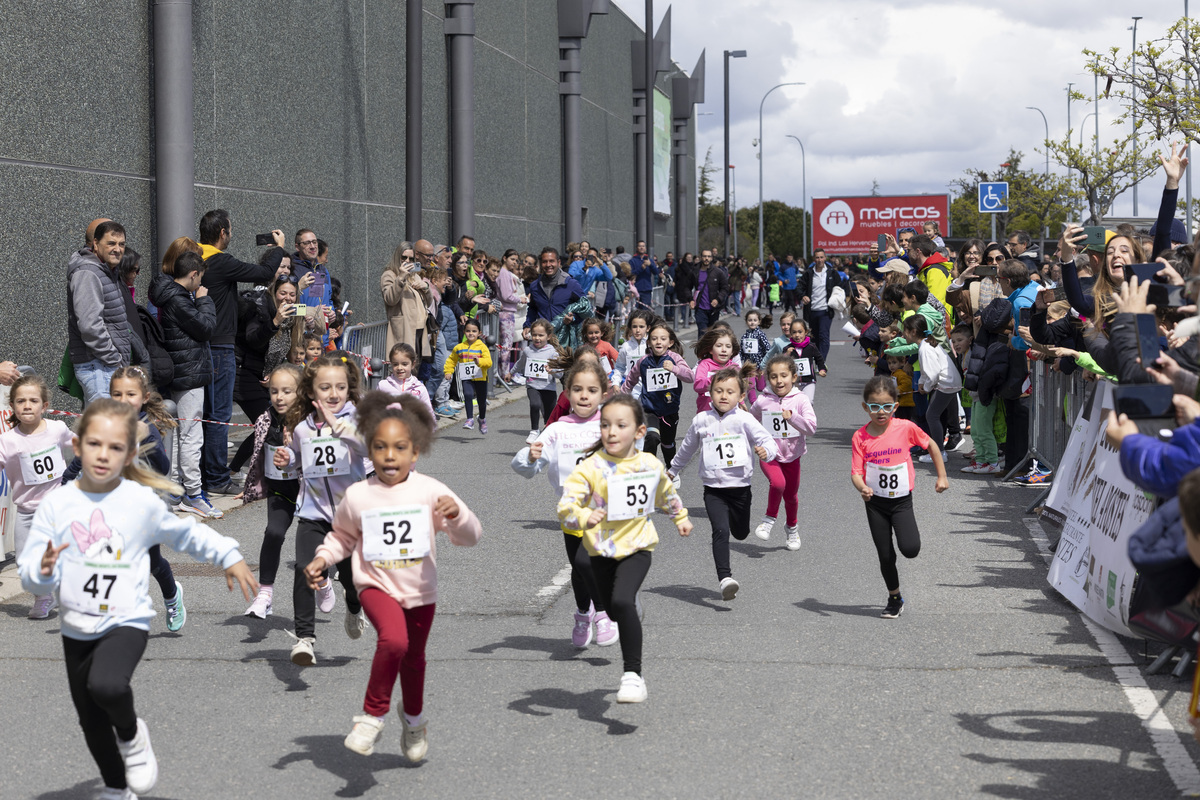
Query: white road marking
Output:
(1163,736)
(556,583)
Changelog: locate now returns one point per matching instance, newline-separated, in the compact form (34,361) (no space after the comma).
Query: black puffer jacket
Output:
(991,358)
(187,326)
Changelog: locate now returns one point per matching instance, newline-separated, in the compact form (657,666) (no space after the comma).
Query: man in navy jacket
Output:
(552,292)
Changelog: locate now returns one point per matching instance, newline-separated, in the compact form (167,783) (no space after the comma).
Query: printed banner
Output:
(850,225)
(1100,509)
(662,154)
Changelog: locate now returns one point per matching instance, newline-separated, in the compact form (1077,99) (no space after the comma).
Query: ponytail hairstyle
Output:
(764,320)
(917,324)
(567,359)
(730,373)
(802,323)
(786,360)
(125,415)
(33,380)
(551,338)
(587,365)
(377,406)
(630,402)
(703,347)
(305,397)
(153,404)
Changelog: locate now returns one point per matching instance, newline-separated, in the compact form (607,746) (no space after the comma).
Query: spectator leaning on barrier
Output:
(222,275)
(99,337)
(1014,280)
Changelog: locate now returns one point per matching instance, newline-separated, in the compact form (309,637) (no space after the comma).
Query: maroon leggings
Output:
(785,485)
(399,651)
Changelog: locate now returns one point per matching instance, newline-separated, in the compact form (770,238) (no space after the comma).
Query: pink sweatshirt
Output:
(704,372)
(803,422)
(410,583)
(13,444)
(411,386)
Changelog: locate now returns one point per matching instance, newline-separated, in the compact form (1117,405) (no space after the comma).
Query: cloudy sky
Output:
(904,92)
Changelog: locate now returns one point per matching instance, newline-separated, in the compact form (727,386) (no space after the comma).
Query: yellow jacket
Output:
(588,488)
(482,356)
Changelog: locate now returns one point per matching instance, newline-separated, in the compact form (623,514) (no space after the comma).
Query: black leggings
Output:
(660,433)
(583,580)
(281,508)
(160,568)
(476,390)
(619,581)
(884,516)
(309,535)
(541,403)
(99,673)
(729,514)
(939,403)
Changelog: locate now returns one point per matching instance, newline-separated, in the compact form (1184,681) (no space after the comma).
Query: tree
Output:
(1035,200)
(874,188)
(706,184)
(1102,178)
(783,230)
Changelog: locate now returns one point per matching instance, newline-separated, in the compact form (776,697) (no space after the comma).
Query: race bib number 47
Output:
(631,496)
(98,588)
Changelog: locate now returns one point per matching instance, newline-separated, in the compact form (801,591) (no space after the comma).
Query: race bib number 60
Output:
(42,467)
(97,588)
(631,496)
(324,456)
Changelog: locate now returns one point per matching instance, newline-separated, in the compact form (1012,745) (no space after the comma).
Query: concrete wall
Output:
(299,122)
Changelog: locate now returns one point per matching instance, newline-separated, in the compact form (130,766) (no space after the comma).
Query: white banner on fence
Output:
(1101,509)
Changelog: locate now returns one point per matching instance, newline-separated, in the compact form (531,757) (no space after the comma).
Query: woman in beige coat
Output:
(406,300)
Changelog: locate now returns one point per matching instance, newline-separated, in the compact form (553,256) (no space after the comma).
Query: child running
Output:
(31,455)
(385,525)
(558,450)
(881,469)
(659,374)
(755,344)
(597,332)
(403,359)
(940,380)
(715,349)
(280,486)
(90,543)
(534,365)
(784,339)
(471,358)
(609,497)
(324,441)
(788,416)
(634,347)
(806,354)
(731,438)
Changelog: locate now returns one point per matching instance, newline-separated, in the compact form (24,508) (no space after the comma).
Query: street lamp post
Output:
(725,217)
(1133,107)
(733,193)
(1085,119)
(803,198)
(761,254)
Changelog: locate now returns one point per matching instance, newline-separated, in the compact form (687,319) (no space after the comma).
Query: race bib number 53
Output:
(631,496)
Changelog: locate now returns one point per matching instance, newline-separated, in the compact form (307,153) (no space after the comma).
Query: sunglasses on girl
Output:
(875,408)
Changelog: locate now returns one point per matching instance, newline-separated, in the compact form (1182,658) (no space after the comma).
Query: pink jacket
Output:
(411,386)
(703,379)
(803,419)
(410,583)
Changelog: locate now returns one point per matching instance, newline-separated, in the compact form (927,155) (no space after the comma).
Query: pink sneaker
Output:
(581,634)
(469,424)
(606,630)
(483,426)
(326,599)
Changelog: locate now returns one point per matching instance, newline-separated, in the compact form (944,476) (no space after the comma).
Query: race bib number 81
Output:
(631,496)
(777,426)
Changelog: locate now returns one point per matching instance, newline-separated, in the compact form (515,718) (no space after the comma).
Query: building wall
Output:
(299,122)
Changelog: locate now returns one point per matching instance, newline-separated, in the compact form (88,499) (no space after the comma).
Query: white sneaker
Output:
(926,459)
(364,734)
(729,590)
(414,741)
(531,438)
(141,767)
(970,468)
(989,469)
(43,604)
(302,652)
(355,623)
(793,537)
(261,607)
(633,688)
(108,793)
(326,599)
(763,531)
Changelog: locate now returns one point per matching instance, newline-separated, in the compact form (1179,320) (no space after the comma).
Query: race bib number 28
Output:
(325,456)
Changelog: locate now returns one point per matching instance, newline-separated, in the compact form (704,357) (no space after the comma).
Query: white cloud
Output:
(906,92)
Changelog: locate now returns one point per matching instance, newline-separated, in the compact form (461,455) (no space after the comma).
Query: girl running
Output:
(324,443)
(385,526)
(558,450)
(881,470)
(755,344)
(90,543)
(637,329)
(788,415)
(659,373)
(31,455)
(564,364)
(472,358)
(940,379)
(731,438)
(597,332)
(534,365)
(809,362)
(279,486)
(784,339)
(715,349)
(403,359)
(609,497)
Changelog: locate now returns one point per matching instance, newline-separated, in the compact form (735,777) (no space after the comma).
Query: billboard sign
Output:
(852,224)
(662,154)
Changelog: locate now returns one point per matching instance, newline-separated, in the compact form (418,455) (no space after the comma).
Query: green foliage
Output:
(1102,178)
(705,186)
(1036,201)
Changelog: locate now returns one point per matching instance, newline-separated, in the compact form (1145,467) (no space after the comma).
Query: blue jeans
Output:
(705,317)
(819,322)
(218,407)
(735,297)
(94,376)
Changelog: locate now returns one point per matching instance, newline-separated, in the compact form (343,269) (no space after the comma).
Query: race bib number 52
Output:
(396,534)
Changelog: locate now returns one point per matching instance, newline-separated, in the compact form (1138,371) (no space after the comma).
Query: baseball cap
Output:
(897,265)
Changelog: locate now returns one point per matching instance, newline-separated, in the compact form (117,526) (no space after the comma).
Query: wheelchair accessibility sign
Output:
(993,197)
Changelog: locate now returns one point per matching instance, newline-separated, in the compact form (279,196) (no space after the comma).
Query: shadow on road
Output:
(288,673)
(753,550)
(329,754)
(537,525)
(558,649)
(828,609)
(695,595)
(257,630)
(84,789)
(588,706)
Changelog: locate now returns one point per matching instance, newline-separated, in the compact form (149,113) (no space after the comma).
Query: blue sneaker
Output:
(446,411)
(200,506)
(176,613)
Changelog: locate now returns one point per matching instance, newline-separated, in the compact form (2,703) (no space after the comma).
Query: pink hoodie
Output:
(703,379)
(411,386)
(803,419)
(410,583)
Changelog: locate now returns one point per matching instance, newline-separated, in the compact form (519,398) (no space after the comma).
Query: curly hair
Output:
(378,406)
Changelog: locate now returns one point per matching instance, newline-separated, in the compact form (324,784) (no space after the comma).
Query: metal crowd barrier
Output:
(368,339)
(1056,401)
(489,329)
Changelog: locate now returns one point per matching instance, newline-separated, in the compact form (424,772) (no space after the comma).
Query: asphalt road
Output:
(988,685)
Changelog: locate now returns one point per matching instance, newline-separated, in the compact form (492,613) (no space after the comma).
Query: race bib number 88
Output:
(888,481)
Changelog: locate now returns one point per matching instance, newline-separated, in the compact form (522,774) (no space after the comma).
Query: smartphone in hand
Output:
(1147,336)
